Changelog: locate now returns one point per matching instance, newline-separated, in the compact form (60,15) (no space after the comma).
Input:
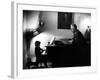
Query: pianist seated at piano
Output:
(39,55)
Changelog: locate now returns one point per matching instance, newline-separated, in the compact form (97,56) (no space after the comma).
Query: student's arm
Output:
(41,50)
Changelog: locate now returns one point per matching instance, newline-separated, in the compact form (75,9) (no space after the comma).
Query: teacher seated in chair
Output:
(79,45)
(78,38)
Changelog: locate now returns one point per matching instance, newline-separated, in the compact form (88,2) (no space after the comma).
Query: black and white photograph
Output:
(56,39)
(52,40)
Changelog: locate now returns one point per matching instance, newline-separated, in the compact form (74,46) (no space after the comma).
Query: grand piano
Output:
(65,55)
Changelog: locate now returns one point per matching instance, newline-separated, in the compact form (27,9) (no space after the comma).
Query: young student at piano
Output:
(38,54)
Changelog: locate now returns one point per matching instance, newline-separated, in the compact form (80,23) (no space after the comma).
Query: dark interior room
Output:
(54,33)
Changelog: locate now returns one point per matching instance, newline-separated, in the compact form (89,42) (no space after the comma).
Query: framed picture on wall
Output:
(64,20)
(51,40)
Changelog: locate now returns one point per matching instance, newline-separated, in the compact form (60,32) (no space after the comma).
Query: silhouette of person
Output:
(88,34)
(79,45)
(78,38)
(38,54)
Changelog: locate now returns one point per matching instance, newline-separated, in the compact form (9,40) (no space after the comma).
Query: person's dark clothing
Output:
(79,46)
(38,55)
(88,35)
(78,38)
